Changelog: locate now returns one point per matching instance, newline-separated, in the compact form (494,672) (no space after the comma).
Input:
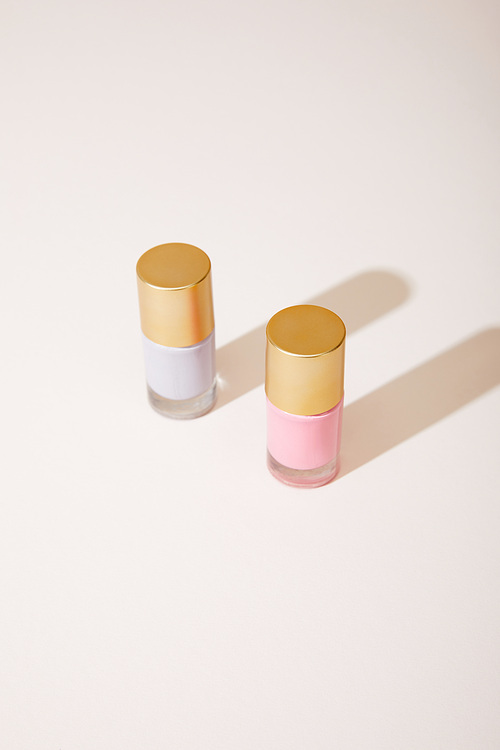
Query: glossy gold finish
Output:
(175,294)
(305,359)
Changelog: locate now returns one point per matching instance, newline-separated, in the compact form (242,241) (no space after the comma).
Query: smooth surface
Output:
(173,266)
(304,442)
(180,373)
(159,588)
(305,351)
(174,284)
(305,331)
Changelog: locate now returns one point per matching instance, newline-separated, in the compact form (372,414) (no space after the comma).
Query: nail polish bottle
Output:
(177,321)
(305,394)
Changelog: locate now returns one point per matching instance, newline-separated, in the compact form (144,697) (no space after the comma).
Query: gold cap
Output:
(305,359)
(175,294)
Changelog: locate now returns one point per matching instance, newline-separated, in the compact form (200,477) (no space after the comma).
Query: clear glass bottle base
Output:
(188,408)
(303,477)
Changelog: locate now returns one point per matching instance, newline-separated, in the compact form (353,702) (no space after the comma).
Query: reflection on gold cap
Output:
(305,359)
(175,294)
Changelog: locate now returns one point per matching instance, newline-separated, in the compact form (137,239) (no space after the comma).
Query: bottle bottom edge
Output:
(189,408)
(306,478)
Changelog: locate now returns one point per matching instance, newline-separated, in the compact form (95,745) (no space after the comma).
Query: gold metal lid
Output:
(305,359)
(175,294)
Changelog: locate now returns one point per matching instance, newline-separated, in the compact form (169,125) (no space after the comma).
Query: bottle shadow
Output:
(358,301)
(418,399)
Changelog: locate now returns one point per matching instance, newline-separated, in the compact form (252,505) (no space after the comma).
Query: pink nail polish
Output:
(305,394)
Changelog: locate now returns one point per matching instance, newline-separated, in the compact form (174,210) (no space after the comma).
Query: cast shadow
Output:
(395,412)
(358,301)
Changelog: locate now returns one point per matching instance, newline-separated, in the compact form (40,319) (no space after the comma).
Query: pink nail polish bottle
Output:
(305,394)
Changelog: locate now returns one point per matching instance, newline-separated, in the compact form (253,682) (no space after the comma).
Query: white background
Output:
(159,589)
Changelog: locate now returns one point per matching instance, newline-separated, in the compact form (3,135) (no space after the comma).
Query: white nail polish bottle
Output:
(177,321)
